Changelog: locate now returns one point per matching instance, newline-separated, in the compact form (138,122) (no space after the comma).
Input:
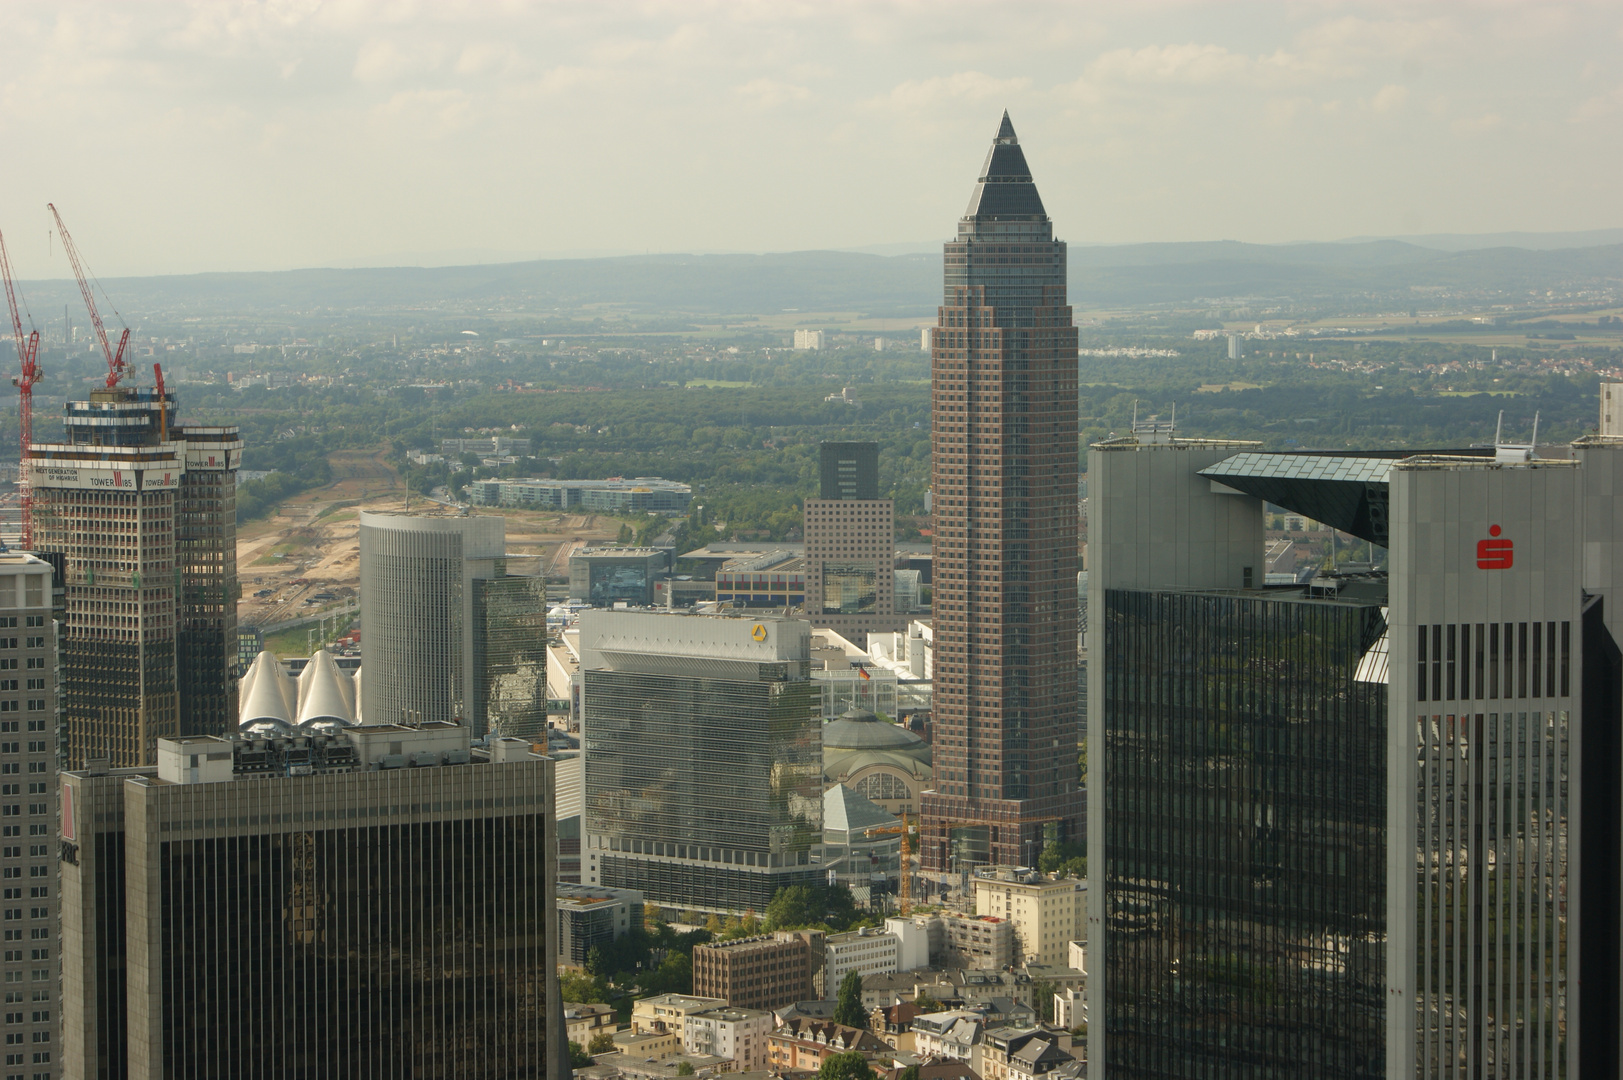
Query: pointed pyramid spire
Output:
(1005,187)
(1005,130)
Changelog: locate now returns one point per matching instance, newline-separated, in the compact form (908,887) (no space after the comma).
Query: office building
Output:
(612,496)
(668,1013)
(772,579)
(979,941)
(1004,470)
(139,514)
(1047,913)
(703,774)
(851,544)
(770,971)
(870,950)
(449,636)
(605,576)
(389,909)
(808,339)
(1425,897)
(591,917)
(30,962)
(1611,409)
(861,843)
(497,445)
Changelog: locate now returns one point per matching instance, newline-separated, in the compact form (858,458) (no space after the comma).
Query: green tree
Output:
(578,1057)
(582,989)
(684,1068)
(848,1005)
(850,1065)
(1042,999)
(602,1043)
(909,1073)
(927,1004)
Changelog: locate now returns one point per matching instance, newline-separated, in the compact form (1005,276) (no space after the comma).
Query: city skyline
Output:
(336,126)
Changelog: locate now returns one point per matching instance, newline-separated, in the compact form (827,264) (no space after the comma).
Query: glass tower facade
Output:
(1004,468)
(1244,867)
(703,786)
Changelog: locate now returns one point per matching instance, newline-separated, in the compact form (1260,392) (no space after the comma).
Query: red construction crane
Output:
(27,353)
(163,404)
(116,366)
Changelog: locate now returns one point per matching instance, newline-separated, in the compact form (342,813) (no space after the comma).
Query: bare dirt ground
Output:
(311,545)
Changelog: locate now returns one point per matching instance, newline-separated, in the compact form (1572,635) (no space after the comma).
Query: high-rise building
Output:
(449,637)
(808,339)
(147,560)
(851,544)
(370,901)
(1611,409)
(1367,825)
(703,763)
(1004,471)
(29,964)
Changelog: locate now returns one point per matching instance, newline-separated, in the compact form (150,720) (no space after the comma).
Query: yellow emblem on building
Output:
(759,633)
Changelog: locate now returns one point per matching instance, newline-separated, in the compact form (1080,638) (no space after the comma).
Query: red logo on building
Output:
(1494,554)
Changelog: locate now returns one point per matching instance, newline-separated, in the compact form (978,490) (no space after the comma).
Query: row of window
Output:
(1450,665)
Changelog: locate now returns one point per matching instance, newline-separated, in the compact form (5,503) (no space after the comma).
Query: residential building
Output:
(1047,913)
(648,1045)
(612,496)
(589,917)
(766,972)
(146,557)
(954,1034)
(851,544)
(869,950)
(808,339)
(703,784)
(979,941)
(739,1035)
(390,909)
(893,1023)
(938,1070)
(1071,1008)
(806,1044)
(669,1012)
(1004,472)
(31,963)
(585,1022)
(1452,913)
(606,576)
(1022,1052)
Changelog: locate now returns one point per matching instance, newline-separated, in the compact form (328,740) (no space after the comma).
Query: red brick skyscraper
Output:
(1003,419)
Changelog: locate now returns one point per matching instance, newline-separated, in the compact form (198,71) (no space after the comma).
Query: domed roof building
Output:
(273,704)
(884,762)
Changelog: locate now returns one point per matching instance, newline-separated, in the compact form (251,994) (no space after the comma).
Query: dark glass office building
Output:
(1245,741)
(308,908)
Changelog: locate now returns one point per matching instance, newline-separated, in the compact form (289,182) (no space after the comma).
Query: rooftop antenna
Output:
(1499,429)
(1535,431)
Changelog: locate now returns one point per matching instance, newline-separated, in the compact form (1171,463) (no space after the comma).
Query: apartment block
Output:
(869,950)
(1047,913)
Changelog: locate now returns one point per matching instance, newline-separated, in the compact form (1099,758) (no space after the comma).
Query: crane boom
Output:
(28,375)
(116,365)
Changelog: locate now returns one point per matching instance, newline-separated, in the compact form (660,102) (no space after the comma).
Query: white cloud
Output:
(959,87)
(1389,98)
(770,93)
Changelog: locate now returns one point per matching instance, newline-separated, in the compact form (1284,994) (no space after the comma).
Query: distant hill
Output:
(908,284)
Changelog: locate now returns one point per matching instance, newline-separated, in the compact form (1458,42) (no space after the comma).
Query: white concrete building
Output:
(736,1034)
(1611,409)
(912,943)
(808,339)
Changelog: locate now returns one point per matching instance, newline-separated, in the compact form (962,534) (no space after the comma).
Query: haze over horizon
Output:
(303,134)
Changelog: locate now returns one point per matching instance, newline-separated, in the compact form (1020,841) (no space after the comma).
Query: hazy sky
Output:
(182,137)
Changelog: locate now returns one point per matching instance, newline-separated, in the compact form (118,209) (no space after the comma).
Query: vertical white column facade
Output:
(1485,686)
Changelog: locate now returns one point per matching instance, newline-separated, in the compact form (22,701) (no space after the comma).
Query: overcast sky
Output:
(184,137)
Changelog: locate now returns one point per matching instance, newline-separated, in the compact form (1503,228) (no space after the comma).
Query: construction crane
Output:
(116,365)
(27,357)
(163,404)
(904,894)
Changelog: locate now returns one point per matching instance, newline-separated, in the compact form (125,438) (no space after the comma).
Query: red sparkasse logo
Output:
(1494,554)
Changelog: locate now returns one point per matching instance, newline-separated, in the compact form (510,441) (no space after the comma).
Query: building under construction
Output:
(138,514)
